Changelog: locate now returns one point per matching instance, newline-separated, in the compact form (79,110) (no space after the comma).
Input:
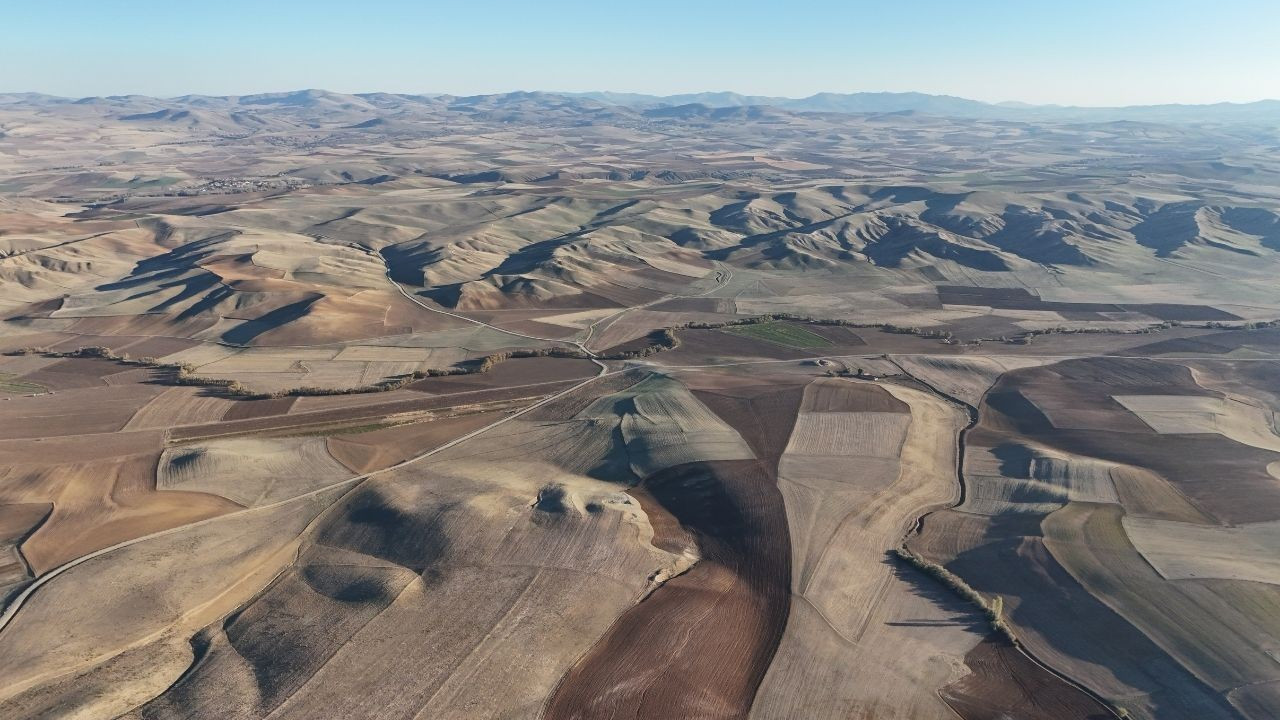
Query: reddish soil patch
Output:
(512,373)
(99,503)
(1006,684)
(698,646)
(249,409)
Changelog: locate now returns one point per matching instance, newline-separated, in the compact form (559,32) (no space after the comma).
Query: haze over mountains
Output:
(948,105)
(1262,111)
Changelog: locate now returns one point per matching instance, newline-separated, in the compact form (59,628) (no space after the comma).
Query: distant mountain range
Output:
(951,106)
(822,102)
(1266,112)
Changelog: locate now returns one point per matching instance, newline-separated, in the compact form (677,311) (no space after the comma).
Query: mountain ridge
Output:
(1265,111)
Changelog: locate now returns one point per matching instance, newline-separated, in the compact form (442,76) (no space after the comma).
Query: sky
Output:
(1085,52)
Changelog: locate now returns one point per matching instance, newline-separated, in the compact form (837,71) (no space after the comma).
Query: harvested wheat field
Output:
(469,552)
(990,691)
(847,507)
(250,471)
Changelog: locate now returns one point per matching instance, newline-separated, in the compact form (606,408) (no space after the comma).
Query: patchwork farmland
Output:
(397,407)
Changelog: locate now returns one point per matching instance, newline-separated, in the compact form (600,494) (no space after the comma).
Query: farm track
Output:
(342,415)
(723,275)
(21,599)
(973,415)
(65,243)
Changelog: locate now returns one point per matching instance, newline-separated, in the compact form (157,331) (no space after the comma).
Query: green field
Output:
(780,333)
(11,386)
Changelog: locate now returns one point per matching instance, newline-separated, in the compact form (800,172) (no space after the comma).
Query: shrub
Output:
(993,608)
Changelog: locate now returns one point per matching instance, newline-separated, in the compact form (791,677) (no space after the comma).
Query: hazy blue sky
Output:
(1081,52)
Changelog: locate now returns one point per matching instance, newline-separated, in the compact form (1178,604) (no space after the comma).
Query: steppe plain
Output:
(537,406)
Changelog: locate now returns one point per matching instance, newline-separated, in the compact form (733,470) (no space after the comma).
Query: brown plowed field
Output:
(157,347)
(78,448)
(845,396)
(365,412)
(88,410)
(705,346)
(533,327)
(377,449)
(840,336)
(762,414)
(1238,490)
(1076,591)
(250,409)
(1005,684)
(180,406)
(98,502)
(74,373)
(1212,343)
(698,646)
(1026,402)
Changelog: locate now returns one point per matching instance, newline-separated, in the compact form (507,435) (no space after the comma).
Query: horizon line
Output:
(1008,104)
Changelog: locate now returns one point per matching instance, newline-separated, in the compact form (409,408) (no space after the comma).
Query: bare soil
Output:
(699,645)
